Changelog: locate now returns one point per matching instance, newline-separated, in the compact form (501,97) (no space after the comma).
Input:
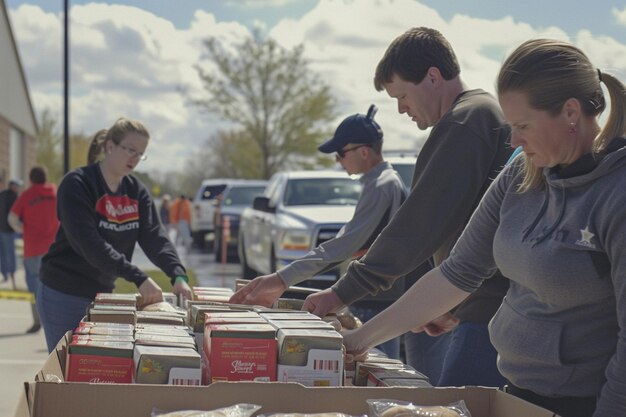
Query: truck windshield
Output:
(242,196)
(322,191)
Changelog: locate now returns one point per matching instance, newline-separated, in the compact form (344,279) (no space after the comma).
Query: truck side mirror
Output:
(262,204)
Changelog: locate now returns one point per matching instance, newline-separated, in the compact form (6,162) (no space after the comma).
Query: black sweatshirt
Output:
(98,232)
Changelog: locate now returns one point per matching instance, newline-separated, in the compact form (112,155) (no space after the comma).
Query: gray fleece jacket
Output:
(561,330)
(383,193)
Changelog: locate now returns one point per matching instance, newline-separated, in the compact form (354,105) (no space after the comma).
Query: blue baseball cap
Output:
(358,128)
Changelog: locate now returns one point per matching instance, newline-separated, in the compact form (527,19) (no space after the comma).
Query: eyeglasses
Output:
(341,153)
(133,153)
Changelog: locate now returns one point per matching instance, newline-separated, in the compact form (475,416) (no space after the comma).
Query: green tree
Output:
(279,109)
(79,147)
(49,147)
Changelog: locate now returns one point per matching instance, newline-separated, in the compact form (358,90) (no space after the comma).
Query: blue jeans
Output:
(31,270)
(471,358)
(7,254)
(391,347)
(426,353)
(59,313)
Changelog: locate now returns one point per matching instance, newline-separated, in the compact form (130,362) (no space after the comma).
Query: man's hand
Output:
(323,302)
(263,291)
(150,292)
(182,288)
(438,326)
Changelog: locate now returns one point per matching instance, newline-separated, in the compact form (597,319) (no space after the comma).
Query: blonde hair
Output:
(115,134)
(549,72)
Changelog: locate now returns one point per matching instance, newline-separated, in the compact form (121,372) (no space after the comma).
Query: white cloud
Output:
(124,62)
(620,15)
(258,4)
(127,61)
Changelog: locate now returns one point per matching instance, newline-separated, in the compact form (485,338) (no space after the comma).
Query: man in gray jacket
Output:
(357,145)
(465,150)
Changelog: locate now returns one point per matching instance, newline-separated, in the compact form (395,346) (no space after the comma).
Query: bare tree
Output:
(280,110)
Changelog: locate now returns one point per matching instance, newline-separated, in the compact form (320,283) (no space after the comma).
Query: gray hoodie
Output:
(563,247)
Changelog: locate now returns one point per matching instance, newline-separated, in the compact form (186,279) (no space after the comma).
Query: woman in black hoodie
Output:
(103,212)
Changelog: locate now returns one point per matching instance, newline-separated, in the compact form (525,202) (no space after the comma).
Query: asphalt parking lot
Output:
(22,355)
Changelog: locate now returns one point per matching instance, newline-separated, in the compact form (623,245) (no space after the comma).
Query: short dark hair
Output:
(38,175)
(411,54)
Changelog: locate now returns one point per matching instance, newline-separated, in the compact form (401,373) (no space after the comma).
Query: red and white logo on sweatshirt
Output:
(118,209)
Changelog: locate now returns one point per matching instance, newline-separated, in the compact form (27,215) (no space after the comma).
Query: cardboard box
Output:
(301,324)
(111,329)
(96,400)
(167,365)
(160,317)
(100,361)
(378,377)
(197,312)
(240,352)
(324,368)
(288,304)
(165,340)
(165,330)
(215,297)
(212,289)
(225,317)
(100,315)
(119,299)
(290,315)
(294,344)
(50,396)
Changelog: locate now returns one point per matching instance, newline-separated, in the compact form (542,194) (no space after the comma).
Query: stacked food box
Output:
(209,340)
(117,343)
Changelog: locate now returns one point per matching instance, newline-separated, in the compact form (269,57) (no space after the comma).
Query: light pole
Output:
(66,89)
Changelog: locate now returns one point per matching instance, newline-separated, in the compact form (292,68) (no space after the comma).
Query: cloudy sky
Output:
(133,57)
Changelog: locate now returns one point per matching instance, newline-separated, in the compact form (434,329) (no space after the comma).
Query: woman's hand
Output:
(182,288)
(351,340)
(150,292)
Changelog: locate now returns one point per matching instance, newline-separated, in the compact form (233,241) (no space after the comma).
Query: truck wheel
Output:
(246,271)
(273,262)
(217,247)
(198,240)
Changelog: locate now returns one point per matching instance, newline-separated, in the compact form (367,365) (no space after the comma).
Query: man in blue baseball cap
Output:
(357,144)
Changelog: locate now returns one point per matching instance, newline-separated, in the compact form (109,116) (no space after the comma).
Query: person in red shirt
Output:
(34,215)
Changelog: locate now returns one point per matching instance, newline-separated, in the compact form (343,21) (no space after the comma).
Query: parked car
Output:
(237,195)
(298,211)
(203,209)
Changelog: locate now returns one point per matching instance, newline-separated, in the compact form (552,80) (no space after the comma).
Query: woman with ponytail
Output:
(103,212)
(554,223)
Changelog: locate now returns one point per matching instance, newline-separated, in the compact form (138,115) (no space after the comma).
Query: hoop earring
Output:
(572,128)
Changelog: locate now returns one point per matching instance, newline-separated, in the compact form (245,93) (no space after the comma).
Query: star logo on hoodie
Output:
(585,238)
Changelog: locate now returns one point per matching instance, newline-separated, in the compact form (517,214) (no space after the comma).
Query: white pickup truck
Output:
(298,211)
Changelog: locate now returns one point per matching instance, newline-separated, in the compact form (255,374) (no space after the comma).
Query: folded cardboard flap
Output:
(123,400)
(22,409)
(54,367)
